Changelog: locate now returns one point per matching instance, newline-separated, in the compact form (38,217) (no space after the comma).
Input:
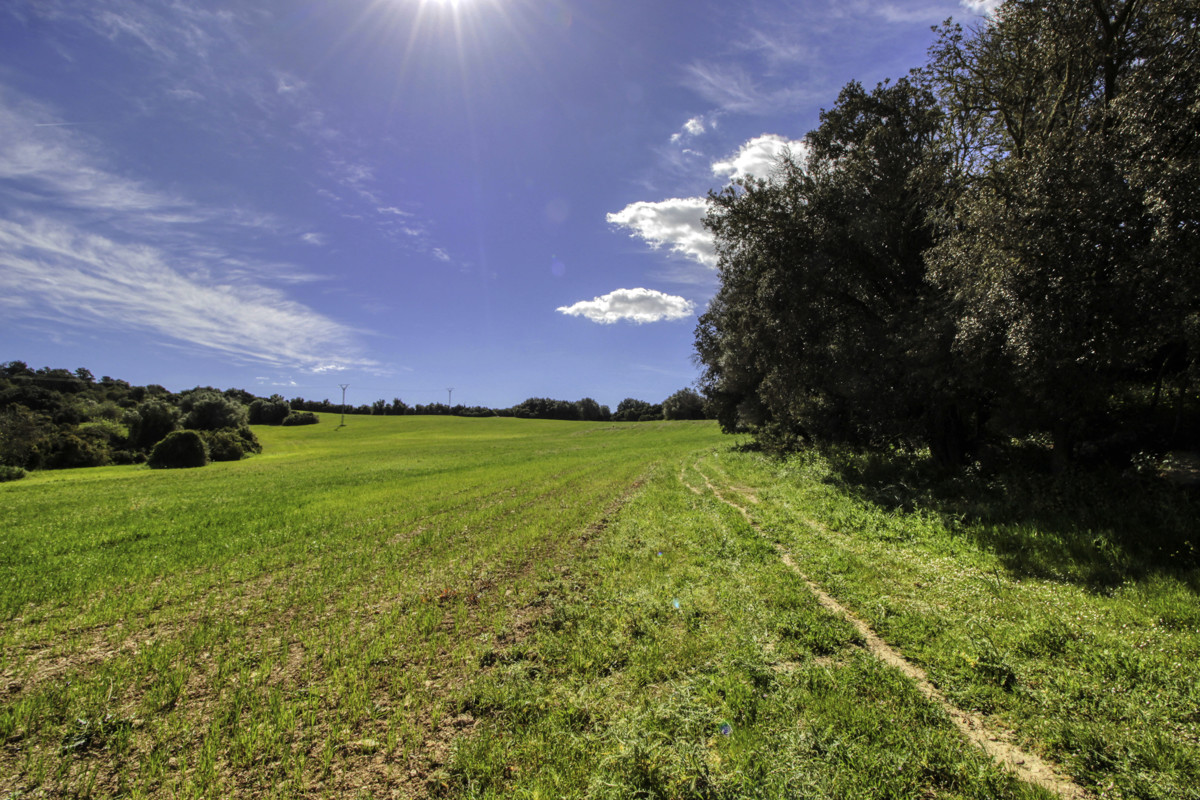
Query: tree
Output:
(589,410)
(150,422)
(684,404)
(271,411)
(825,327)
(208,410)
(1066,238)
(180,449)
(633,410)
(24,437)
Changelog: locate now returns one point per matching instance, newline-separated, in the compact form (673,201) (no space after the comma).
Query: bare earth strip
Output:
(1027,766)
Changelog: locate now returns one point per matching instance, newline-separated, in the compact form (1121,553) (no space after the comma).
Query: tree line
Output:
(55,418)
(684,404)
(1001,245)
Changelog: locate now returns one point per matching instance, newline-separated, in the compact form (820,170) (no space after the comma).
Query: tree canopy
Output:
(1002,243)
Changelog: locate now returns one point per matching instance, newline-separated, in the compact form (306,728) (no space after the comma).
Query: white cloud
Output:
(635,305)
(693,127)
(984,7)
(758,157)
(81,244)
(55,272)
(40,158)
(313,238)
(677,223)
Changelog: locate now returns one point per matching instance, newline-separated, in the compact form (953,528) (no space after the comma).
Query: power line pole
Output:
(450,397)
(344,386)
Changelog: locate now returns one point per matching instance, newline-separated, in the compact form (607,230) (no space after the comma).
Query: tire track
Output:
(1027,766)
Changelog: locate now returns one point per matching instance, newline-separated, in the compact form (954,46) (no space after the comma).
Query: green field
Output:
(425,606)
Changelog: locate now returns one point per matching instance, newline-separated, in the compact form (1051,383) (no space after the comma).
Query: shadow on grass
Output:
(1098,528)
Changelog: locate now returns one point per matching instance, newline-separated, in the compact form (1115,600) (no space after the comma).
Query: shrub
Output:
(8,473)
(301,418)
(224,445)
(250,442)
(180,449)
(69,450)
(210,411)
(231,444)
(150,423)
(269,412)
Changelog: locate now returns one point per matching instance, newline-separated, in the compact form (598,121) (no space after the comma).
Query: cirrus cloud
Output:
(635,305)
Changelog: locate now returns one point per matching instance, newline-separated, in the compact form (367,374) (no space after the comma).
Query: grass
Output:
(415,607)
(1066,611)
(279,621)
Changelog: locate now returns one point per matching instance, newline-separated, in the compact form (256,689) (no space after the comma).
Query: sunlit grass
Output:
(1071,622)
(505,608)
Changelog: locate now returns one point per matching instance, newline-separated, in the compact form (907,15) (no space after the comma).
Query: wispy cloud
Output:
(39,157)
(52,271)
(81,244)
(911,13)
(631,305)
(731,89)
(204,55)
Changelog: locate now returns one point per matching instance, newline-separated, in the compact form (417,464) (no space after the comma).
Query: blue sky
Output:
(500,196)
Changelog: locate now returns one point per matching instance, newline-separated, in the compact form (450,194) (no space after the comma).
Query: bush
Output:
(269,412)
(209,411)
(231,444)
(224,445)
(301,418)
(8,473)
(180,449)
(151,423)
(69,450)
(250,442)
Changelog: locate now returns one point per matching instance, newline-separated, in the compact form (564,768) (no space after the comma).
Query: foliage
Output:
(633,410)
(9,473)
(684,404)
(76,448)
(24,437)
(824,327)
(301,418)
(231,444)
(180,449)
(209,410)
(272,411)
(1001,246)
(150,422)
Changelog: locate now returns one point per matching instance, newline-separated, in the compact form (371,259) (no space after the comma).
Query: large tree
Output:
(1068,238)
(825,327)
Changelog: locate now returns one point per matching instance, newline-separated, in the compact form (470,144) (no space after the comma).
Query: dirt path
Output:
(996,743)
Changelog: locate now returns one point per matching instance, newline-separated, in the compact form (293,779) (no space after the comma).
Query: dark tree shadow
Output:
(1096,527)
